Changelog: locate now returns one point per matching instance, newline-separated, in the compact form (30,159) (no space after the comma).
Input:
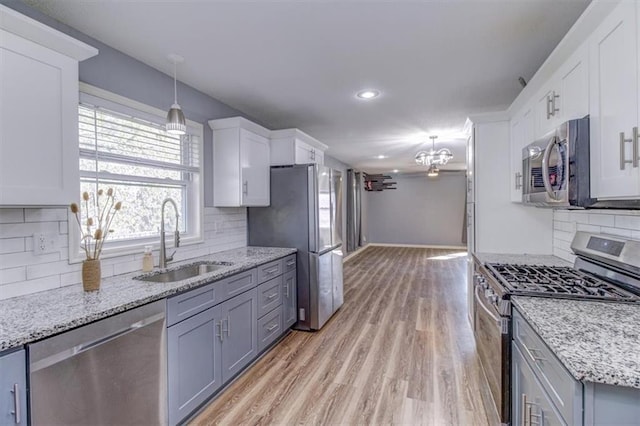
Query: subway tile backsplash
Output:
(624,223)
(23,272)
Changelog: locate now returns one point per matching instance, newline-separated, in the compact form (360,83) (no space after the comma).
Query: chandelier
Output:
(433,157)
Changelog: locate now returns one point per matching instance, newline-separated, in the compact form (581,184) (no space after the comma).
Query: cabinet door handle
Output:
(523,410)
(286,290)
(635,147)
(553,103)
(16,403)
(219,330)
(528,408)
(623,159)
(518,180)
(273,327)
(548,107)
(271,296)
(228,327)
(245,187)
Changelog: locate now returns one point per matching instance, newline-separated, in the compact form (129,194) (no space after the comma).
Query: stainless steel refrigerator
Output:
(306,213)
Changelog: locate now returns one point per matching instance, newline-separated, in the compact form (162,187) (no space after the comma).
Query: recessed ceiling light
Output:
(381,157)
(368,94)
(395,170)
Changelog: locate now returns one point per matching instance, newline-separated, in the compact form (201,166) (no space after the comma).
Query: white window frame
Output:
(195,215)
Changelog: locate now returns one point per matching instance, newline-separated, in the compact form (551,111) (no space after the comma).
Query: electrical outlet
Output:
(43,243)
(218,226)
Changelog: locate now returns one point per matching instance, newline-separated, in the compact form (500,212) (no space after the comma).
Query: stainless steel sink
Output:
(186,271)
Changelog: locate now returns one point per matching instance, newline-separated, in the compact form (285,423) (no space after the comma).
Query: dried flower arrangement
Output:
(95,231)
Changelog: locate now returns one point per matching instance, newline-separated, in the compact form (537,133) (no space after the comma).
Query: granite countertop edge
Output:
(117,294)
(572,357)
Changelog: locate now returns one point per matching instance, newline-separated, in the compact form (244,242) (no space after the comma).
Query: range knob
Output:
(493,298)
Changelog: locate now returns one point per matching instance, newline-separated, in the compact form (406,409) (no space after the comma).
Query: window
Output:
(124,146)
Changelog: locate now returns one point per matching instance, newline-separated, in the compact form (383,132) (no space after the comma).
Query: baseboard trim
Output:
(355,253)
(418,246)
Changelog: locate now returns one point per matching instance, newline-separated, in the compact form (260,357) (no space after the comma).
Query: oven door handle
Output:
(491,314)
(545,168)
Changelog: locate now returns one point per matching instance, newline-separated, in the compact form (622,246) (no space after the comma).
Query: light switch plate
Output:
(43,243)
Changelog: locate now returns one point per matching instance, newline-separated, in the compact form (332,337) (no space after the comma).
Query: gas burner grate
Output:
(557,281)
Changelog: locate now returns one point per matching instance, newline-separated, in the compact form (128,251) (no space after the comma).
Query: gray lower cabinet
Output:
(543,392)
(530,403)
(289,299)
(13,388)
(611,405)
(194,360)
(216,330)
(239,332)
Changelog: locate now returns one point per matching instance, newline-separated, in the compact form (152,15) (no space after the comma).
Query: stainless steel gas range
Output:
(607,268)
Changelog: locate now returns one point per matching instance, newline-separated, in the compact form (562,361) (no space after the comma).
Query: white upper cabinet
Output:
(292,146)
(614,97)
(240,163)
(565,96)
(573,83)
(516,163)
(522,134)
(38,112)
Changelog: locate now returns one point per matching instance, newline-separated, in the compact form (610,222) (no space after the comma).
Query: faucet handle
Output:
(170,258)
(176,237)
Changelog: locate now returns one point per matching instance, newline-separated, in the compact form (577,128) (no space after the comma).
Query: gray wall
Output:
(116,72)
(339,165)
(421,211)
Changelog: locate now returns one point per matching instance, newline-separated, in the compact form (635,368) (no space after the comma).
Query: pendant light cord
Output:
(175,82)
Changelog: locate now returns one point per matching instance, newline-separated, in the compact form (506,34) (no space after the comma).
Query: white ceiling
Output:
(300,63)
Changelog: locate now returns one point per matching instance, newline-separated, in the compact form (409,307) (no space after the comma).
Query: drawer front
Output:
(269,270)
(192,302)
(269,295)
(289,263)
(559,384)
(269,328)
(531,405)
(239,283)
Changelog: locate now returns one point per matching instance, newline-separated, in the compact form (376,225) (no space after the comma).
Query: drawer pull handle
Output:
(271,296)
(272,327)
(271,271)
(532,353)
(291,263)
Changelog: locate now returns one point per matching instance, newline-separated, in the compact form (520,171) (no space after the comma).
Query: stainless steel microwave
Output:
(555,168)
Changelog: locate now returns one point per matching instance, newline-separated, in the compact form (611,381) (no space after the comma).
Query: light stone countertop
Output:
(596,341)
(521,259)
(32,317)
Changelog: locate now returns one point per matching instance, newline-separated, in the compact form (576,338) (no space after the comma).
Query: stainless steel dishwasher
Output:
(110,372)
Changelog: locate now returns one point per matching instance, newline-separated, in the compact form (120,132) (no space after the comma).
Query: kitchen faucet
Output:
(163,248)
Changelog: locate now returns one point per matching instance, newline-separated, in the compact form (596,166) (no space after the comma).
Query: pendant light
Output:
(433,157)
(176,124)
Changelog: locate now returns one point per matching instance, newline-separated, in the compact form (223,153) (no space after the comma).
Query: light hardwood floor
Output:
(399,351)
